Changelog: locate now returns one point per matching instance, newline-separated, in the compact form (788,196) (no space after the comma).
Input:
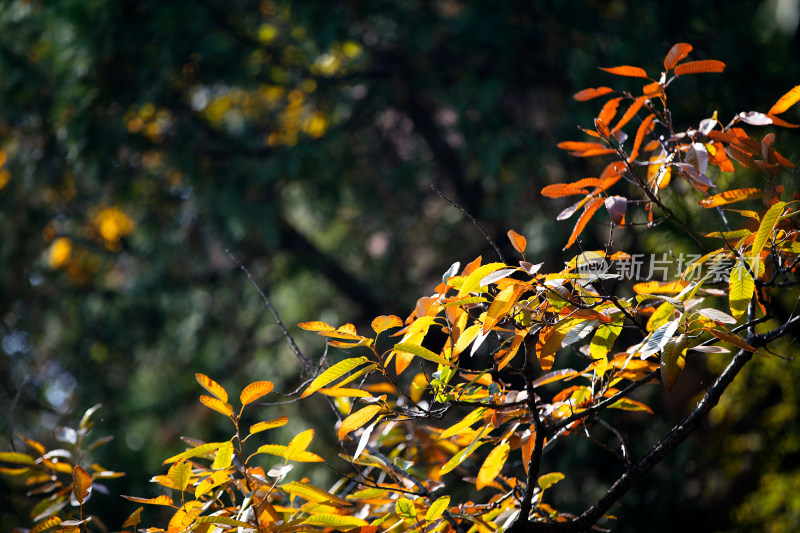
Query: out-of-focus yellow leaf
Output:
(437,508)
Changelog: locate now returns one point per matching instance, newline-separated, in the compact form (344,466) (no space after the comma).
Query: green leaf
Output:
(17,458)
(421,351)
(335,372)
(405,509)
(335,521)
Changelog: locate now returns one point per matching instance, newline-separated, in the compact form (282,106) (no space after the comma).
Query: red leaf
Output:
(626,70)
(785,102)
(591,207)
(697,67)
(590,93)
(675,54)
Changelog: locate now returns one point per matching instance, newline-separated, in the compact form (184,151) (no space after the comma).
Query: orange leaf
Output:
(517,241)
(782,123)
(731,338)
(316,326)
(591,206)
(644,129)
(254,391)
(158,500)
(660,287)
(577,146)
(590,93)
(609,110)
(81,484)
(626,70)
(217,405)
(785,102)
(678,52)
(559,190)
(697,67)
(729,197)
(212,386)
(358,419)
(630,113)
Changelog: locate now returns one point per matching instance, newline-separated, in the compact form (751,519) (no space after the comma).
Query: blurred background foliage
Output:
(141,139)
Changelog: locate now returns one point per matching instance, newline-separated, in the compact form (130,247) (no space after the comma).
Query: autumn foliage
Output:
(418,417)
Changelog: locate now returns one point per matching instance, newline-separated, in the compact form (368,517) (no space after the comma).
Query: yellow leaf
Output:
(421,351)
(44,525)
(473,280)
(383,322)
(437,508)
(299,443)
(501,304)
(81,484)
(203,449)
(268,424)
(185,516)
(134,519)
(342,392)
(316,326)
(214,480)
(341,522)
(740,290)
(313,493)
(254,391)
(158,500)
(212,386)
(358,419)
(492,465)
(766,227)
(466,337)
(224,456)
(335,372)
(464,423)
(459,457)
(548,480)
(180,474)
(217,405)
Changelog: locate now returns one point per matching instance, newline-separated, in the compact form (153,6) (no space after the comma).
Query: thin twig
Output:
(438,191)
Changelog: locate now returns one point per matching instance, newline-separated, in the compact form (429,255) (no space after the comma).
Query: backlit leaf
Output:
(786,101)
(590,93)
(46,524)
(626,70)
(492,465)
(559,190)
(677,53)
(312,493)
(591,207)
(212,386)
(464,423)
(517,241)
(223,520)
(217,405)
(358,419)
(337,521)
(630,113)
(299,442)
(224,456)
(180,474)
(548,480)
(697,67)
(316,326)
(673,359)
(731,338)
(766,227)
(133,520)
(473,280)
(644,129)
(158,500)
(214,480)
(268,424)
(382,323)
(461,456)
(421,351)
(203,449)
(437,508)
(254,391)
(335,372)
(609,111)
(627,404)
(81,484)
(729,197)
